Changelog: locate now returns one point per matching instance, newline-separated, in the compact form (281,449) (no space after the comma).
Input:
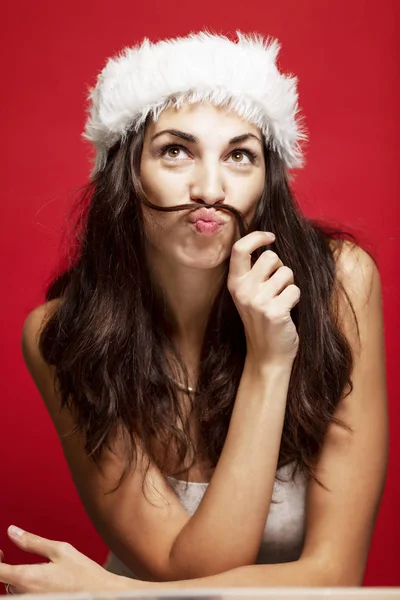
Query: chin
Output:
(207,262)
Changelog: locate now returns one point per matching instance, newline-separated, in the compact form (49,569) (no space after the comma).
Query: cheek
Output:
(162,189)
(252,192)
(251,212)
(153,228)
(148,180)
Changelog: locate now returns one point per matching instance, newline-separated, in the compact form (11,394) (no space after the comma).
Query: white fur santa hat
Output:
(240,75)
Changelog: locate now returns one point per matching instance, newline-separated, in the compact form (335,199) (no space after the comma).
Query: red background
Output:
(345,55)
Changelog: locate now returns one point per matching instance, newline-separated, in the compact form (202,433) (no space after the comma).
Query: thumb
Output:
(32,543)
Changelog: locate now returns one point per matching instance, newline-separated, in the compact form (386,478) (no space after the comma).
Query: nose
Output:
(207,185)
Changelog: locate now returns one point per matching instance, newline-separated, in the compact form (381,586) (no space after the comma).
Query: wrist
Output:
(268,369)
(120,583)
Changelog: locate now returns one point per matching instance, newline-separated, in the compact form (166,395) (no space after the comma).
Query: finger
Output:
(290,296)
(9,573)
(15,577)
(1,556)
(275,285)
(33,543)
(12,590)
(240,262)
(265,266)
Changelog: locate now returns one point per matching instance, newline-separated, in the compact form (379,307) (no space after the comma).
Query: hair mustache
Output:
(242,223)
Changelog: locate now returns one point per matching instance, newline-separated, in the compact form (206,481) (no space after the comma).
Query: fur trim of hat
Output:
(240,75)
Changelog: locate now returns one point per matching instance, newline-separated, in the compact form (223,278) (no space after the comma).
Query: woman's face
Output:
(207,169)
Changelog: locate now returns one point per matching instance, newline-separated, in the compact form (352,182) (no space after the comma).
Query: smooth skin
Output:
(164,545)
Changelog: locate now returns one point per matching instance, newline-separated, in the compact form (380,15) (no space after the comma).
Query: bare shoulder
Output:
(41,372)
(36,319)
(355,268)
(358,274)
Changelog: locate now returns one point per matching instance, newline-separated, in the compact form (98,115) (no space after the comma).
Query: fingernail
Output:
(15,531)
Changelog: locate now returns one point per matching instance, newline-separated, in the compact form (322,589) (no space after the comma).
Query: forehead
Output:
(200,119)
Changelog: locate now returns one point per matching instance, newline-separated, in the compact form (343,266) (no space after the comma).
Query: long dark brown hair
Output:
(108,336)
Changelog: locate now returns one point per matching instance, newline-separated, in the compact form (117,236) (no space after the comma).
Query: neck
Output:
(190,293)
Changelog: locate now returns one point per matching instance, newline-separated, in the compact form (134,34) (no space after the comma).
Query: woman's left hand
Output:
(67,570)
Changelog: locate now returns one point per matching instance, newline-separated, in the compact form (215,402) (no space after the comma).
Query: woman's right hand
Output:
(264,295)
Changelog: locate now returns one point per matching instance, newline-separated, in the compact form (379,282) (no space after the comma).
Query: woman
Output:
(219,391)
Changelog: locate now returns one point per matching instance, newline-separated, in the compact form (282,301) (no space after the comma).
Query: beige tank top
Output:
(284,531)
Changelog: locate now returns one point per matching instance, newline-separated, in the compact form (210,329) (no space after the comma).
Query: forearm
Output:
(301,573)
(226,530)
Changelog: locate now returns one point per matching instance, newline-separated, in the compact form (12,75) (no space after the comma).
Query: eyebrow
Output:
(188,137)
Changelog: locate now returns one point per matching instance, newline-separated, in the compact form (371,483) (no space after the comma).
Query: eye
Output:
(171,152)
(244,152)
(171,147)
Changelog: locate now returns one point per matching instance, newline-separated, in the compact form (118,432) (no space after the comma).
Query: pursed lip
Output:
(205,214)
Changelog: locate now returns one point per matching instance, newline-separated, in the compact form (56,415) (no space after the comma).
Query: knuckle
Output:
(232,284)
(63,547)
(272,312)
(277,311)
(258,301)
(287,270)
(29,539)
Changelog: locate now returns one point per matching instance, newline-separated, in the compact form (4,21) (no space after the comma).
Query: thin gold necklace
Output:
(182,387)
